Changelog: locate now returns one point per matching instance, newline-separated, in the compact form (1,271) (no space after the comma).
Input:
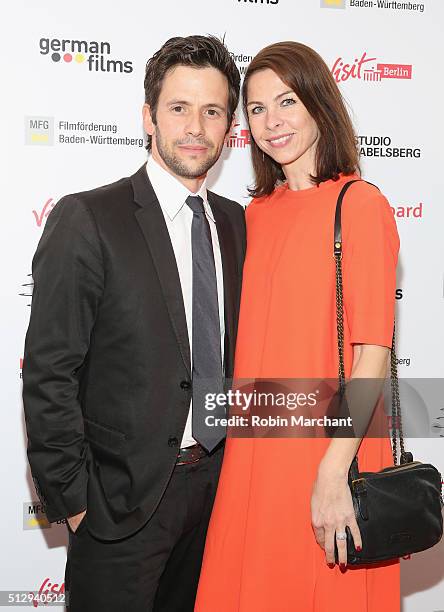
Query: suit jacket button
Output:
(173,441)
(185,384)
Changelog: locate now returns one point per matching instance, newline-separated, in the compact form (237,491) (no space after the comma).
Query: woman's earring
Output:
(263,156)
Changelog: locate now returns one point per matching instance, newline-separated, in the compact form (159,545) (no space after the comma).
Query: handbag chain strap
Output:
(396,424)
(396,405)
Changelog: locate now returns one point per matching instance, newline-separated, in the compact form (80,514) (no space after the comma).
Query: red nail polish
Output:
(342,566)
(358,548)
(331,565)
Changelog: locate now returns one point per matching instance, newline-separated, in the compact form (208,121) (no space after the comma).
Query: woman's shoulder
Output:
(367,211)
(364,198)
(260,201)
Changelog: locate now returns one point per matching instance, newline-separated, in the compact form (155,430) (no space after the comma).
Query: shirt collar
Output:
(171,193)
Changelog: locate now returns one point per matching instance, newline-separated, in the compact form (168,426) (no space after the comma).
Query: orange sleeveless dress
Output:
(261,554)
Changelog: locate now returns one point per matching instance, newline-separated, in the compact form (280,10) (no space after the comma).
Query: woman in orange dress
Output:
(282,503)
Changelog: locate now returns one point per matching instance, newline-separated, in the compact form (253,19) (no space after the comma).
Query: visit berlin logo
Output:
(368,69)
(94,54)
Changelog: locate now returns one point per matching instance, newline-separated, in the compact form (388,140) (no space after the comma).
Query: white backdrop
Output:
(68,68)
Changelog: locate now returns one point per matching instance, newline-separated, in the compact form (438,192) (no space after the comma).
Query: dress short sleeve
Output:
(370,256)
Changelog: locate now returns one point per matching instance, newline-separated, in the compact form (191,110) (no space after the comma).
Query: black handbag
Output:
(398,509)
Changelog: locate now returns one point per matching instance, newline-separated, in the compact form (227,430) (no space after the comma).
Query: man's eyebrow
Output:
(215,105)
(187,103)
(285,93)
(176,101)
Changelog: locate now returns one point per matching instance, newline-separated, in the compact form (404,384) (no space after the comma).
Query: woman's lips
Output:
(280,141)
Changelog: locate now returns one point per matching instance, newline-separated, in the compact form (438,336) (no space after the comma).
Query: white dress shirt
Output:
(172,194)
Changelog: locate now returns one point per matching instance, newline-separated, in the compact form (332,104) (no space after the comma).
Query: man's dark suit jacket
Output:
(106,373)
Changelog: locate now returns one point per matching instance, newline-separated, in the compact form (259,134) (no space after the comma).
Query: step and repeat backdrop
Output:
(72,95)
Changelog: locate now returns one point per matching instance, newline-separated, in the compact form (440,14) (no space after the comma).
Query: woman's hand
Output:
(331,502)
(331,511)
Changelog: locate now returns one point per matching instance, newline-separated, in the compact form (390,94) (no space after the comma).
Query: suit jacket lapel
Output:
(230,276)
(151,220)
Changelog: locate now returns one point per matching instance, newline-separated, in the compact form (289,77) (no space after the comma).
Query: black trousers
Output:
(157,568)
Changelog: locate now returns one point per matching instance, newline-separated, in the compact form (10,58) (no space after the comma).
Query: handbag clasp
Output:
(355,483)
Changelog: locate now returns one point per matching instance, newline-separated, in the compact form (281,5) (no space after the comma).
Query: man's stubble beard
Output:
(177,166)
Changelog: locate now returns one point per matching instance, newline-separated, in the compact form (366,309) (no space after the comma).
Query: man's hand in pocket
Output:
(75,520)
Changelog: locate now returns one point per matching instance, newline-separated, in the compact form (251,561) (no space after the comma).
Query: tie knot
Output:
(196,204)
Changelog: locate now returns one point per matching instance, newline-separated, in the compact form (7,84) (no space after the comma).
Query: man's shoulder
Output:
(104,195)
(107,202)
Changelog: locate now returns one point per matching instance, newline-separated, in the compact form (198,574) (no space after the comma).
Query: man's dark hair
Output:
(198,52)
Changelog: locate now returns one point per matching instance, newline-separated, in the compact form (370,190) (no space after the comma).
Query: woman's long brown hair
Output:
(306,73)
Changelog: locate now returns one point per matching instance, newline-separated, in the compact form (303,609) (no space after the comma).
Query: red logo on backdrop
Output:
(41,215)
(369,69)
(414,211)
(239,139)
(49,593)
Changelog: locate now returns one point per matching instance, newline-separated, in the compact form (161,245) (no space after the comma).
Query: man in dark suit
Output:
(135,306)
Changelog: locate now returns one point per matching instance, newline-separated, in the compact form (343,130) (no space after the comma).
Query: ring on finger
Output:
(341,535)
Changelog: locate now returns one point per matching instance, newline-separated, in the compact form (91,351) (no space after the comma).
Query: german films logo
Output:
(96,55)
(368,69)
(39,131)
(338,4)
